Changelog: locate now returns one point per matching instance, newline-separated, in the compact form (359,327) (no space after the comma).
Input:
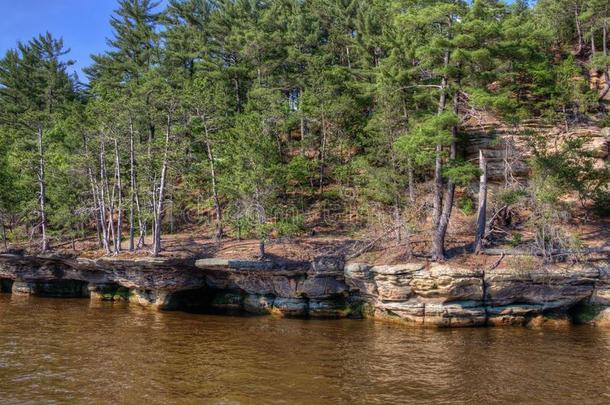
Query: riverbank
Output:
(419,294)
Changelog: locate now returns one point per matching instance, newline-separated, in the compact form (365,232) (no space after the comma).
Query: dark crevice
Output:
(65,288)
(197,300)
(6,285)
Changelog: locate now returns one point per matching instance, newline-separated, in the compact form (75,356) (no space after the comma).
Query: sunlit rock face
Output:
(508,151)
(450,296)
(433,295)
(419,294)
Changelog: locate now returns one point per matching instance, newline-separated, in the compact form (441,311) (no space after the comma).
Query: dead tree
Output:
(158,214)
(102,197)
(481,215)
(217,208)
(42,192)
(119,188)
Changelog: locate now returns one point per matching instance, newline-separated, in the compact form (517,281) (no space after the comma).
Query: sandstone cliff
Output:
(420,294)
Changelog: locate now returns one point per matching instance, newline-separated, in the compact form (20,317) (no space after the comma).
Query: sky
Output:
(83,24)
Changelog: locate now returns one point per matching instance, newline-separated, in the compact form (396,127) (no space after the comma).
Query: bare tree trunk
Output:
(397,220)
(141,223)
(439,237)
(302,136)
(132,186)
(102,198)
(411,181)
(94,194)
(482,209)
(438,248)
(159,209)
(119,186)
(397,205)
(349,62)
(111,198)
(578,30)
(217,208)
(322,154)
(171,214)
(449,191)
(405,116)
(605,50)
(4,236)
(262,219)
(42,197)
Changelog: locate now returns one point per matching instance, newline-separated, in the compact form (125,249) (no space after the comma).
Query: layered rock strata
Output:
(421,294)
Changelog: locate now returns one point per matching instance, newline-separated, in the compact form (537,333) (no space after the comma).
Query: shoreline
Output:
(419,294)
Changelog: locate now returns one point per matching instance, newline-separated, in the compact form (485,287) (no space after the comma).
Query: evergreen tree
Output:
(34,90)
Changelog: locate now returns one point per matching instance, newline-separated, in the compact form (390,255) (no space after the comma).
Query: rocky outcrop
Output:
(450,296)
(314,289)
(297,289)
(421,294)
(508,152)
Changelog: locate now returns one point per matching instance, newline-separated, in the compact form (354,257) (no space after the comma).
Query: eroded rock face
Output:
(449,296)
(52,288)
(108,292)
(424,294)
(290,307)
(434,295)
(551,286)
(601,293)
(142,273)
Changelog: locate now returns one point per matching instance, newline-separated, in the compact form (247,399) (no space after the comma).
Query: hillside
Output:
(288,129)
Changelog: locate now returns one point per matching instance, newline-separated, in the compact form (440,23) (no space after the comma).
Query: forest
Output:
(269,119)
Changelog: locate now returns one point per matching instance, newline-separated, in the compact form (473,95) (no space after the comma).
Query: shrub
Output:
(511,196)
(291,227)
(466,205)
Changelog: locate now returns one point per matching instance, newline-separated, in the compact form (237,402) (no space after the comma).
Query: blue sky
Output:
(83,24)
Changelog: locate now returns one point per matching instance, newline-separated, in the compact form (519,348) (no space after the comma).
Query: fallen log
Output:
(555,252)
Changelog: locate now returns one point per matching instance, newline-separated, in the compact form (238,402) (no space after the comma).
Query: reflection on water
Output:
(75,351)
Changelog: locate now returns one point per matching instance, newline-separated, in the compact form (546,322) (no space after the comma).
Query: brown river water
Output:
(74,351)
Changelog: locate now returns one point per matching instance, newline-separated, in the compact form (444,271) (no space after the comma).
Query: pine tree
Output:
(34,89)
